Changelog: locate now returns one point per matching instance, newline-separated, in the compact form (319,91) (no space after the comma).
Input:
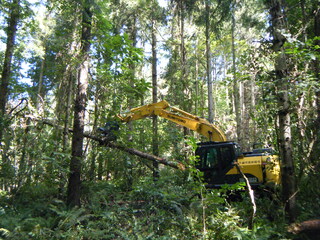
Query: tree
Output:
(155,138)
(282,82)
(73,195)
(6,69)
(236,95)
(209,64)
(316,67)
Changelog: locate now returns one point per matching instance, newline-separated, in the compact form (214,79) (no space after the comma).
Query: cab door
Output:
(215,161)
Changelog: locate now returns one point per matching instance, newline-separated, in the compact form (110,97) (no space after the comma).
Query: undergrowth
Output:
(173,207)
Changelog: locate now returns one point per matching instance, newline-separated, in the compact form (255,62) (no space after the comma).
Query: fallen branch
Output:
(132,151)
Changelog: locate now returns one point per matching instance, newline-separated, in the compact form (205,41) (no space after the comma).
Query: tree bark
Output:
(73,194)
(316,63)
(196,79)
(131,100)
(282,83)
(40,95)
(6,69)
(245,119)
(24,154)
(236,93)
(155,142)
(209,65)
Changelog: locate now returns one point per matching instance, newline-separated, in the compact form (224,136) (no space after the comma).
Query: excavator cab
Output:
(216,159)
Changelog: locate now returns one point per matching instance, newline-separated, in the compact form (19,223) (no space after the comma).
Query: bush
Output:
(164,209)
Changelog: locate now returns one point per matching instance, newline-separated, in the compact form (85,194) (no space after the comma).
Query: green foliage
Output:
(119,198)
(170,208)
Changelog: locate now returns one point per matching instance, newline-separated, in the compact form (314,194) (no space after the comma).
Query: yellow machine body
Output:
(259,167)
(264,169)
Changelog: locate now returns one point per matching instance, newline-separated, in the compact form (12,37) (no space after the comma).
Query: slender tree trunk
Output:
(155,141)
(228,99)
(246,110)
(209,69)
(236,93)
(92,168)
(40,96)
(196,106)
(65,133)
(301,100)
(304,19)
(6,69)
(317,61)
(24,154)
(215,96)
(101,167)
(182,44)
(67,111)
(66,99)
(282,83)
(252,109)
(183,59)
(73,194)
(316,65)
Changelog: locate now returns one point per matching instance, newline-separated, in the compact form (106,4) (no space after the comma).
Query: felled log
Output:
(136,152)
(132,151)
(309,228)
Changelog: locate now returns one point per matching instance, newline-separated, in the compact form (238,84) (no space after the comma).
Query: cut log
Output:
(133,151)
(309,228)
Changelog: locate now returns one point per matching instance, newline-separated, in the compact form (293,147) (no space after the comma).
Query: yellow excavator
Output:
(217,157)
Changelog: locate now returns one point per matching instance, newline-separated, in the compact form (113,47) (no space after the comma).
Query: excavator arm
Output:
(180,117)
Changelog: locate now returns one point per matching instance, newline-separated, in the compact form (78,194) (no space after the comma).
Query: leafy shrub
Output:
(173,207)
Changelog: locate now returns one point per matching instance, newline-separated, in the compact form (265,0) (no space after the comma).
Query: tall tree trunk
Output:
(316,149)
(252,109)
(209,66)
(132,25)
(183,59)
(282,83)
(24,154)
(196,105)
(245,126)
(40,95)
(317,61)
(304,19)
(6,69)
(73,194)
(94,151)
(66,98)
(236,92)
(70,79)
(67,107)
(155,142)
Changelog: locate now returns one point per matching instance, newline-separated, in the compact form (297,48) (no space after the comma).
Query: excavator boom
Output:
(176,115)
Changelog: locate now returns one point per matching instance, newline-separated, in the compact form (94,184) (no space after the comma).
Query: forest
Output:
(68,68)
